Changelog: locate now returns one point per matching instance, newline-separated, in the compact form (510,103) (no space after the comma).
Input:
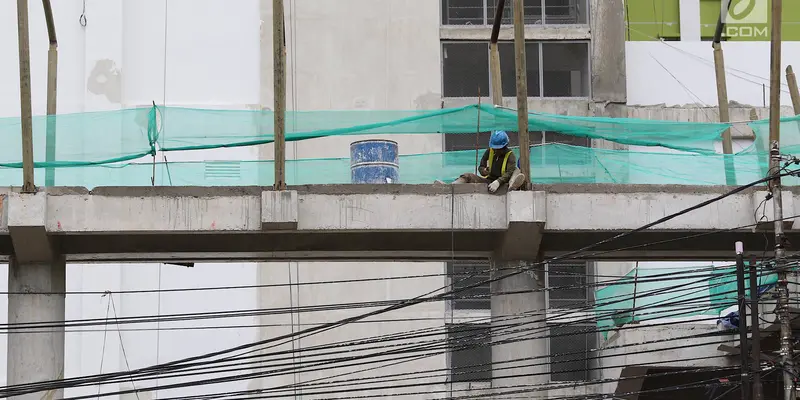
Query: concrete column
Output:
(36,355)
(512,365)
(690,20)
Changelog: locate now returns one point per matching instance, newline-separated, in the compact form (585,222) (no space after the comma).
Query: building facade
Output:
(584,58)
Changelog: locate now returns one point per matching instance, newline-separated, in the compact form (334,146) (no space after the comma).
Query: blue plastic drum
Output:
(374,161)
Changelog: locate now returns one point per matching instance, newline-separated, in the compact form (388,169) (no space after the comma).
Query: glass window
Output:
(570,352)
(463,12)
(566,69)
(470,352)
(465,274)
(508,69)
(481,12)
(565,12)
(465,69)
(568,280)
(533,12)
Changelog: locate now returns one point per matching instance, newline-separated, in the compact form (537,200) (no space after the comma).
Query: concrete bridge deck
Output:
(377,222)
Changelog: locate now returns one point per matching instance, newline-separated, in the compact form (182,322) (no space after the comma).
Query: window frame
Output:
(466,316)
(488,20)
(443,42)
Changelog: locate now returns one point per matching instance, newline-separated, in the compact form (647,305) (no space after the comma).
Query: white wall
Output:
(692,64)
(352,54)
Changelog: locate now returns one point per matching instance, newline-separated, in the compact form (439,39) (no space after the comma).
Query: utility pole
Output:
(52,81)
(782,308)
(742,302)
(522,92)
(26,112)
(279,55)
(722,96)
(494,55)
(755,340)
(791,79)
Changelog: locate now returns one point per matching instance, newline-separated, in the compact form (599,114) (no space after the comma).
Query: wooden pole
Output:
(741,300)
(52,83)
(782,307)
(279,55)
(522,92)
(791,79)
(494,55)
(760,148)
(724,113)
(26,112)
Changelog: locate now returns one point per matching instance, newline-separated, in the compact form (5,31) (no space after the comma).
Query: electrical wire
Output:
(422,298)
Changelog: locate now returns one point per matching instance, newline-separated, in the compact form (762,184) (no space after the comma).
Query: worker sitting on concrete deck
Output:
(498,166)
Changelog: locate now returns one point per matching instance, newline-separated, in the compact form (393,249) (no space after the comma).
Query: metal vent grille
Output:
(222,170)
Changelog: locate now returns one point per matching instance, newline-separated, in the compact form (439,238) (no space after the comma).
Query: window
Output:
(570,343)
(481,12)
(555,69)
(464,274)
(570,352)
(470,353)
(569,285)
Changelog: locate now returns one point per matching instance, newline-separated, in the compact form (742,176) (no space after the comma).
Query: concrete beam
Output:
(279,210)
(26,223)
(379,222)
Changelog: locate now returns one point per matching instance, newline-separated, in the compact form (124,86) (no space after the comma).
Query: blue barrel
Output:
(374,161)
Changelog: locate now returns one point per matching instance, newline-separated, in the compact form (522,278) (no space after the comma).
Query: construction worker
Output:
(498,166)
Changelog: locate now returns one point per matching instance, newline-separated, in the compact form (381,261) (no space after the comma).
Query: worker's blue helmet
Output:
(498,140)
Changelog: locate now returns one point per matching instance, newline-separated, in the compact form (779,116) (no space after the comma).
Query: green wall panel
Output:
(651,20)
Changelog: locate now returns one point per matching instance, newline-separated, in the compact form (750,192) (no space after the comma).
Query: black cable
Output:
(316,330)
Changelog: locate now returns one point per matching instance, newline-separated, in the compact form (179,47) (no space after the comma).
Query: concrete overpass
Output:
(377,222)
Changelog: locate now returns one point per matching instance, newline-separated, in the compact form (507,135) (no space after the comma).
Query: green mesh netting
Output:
(653,293)
(652,297)
(191,129)
(100,143)
(553,163)
(81,139)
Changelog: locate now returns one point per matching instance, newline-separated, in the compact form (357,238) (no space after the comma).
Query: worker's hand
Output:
(483,171)
(494,186)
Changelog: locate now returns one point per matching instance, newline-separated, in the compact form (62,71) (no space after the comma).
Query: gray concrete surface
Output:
(37,354)
(380,222)
(516,300)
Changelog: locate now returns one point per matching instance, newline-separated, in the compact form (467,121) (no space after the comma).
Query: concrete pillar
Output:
(690,20)
(512,365)
(36,356)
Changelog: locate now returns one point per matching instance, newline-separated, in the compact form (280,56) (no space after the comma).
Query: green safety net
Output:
(81,139)
(192,129)
(653,293)
(98,148)
(550,164)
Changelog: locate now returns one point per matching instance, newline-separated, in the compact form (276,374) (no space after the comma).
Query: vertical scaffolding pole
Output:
(741,300)
(722,96)
(782,308)
(279,63)
(52,81)
(522,92)
(494,55)
(26,112)
(791,79)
